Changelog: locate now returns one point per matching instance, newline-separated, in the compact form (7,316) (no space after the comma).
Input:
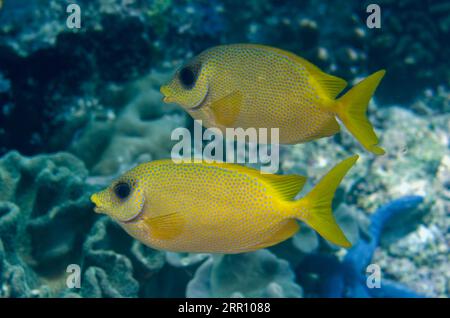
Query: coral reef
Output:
(53,71)
(140,132)
(256,274)
(36,246)
(346,278)
(88,106)
(108,273)
(44,212)
(45,215)
(62,77)
(413,249)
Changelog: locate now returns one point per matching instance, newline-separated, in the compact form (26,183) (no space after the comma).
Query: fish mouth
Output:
(168,100)
(165,91)
(98,208)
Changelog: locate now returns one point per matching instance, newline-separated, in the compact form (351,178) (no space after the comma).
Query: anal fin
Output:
(286,231)
(329,129)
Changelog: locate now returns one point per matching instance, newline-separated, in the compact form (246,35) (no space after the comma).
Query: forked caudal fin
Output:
(315,208)
(352,107)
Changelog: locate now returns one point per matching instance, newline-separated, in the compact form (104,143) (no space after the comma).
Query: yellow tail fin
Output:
(315,207)
(351,109)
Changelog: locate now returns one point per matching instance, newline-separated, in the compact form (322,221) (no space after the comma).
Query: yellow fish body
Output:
(249,85)
(218,208)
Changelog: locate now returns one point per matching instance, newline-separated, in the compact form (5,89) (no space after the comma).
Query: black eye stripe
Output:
(122,190)
(188,76)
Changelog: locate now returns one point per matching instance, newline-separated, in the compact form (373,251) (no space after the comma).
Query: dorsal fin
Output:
(286,186)
(331,85)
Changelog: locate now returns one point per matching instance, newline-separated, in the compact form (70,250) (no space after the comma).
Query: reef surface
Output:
(80,106)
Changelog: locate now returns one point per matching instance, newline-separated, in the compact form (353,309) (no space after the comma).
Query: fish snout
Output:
(165,91)
(96,200)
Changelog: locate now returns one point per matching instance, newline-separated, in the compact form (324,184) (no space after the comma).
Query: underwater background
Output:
(79,107)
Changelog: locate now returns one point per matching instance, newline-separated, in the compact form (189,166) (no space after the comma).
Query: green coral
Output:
(44,211)
(256,274)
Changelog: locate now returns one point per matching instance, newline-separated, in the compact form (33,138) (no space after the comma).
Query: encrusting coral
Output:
(256,274)
(45,212)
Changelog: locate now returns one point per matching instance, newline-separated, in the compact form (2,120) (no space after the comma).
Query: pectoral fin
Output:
(165,227)
(227,109)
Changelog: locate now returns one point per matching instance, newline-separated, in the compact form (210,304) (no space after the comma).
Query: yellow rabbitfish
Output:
(248,85)
(218,207)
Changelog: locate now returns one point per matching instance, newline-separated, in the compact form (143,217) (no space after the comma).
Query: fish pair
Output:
(227,208)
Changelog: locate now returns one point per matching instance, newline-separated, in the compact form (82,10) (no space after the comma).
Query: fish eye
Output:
(188,76)
(122,190)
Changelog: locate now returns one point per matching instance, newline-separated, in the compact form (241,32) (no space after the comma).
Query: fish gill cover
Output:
(79,107)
